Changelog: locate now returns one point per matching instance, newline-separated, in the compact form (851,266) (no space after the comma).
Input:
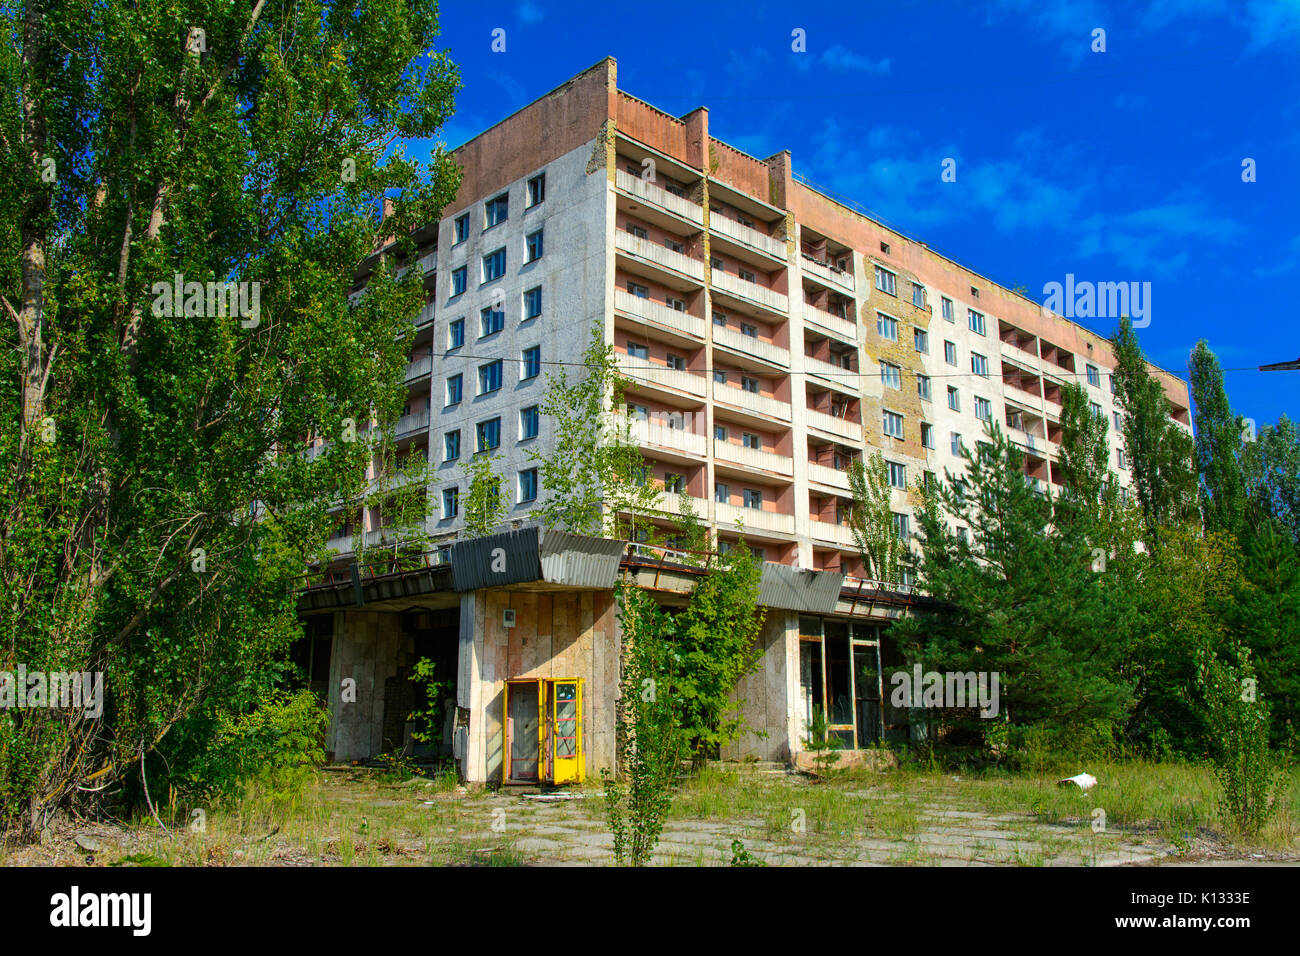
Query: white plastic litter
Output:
(1084,781)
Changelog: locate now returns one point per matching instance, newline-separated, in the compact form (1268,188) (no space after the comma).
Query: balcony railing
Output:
(835,426)
(751,402)
(747,236)
(649,310)
(751,345)
(837,374)
(726,515)
(410,424)
(658,196)
(836,325)
(419,368)
(753,457)
(672,503)
(840,534)
(679,380)
(659,255)
(661,436)
(750,291)
(827,273)
(826,475)
(425,315)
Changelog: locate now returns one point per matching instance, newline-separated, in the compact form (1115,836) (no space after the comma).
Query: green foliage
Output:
(1219,445)
(485,506)
(1237,721)
(594,478)
(428,719)
(277,745)
(155,504)
(823,745)
(714,646)
(872,520)
(648,738)
(1272,468)
(741,857)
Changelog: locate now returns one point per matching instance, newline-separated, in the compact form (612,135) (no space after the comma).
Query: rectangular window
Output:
(902,526)
(923,386)
(746,275)
(638,413)
(720,376)
(454,388)
(950,352)
(456,334)
(720,319)
(1119,424)
(638,290)
(749,384)
(1094,376)
(918,295)
(491,322)
(638,350)
(892,423)
(921,340)
(954,398)
(533,246)
(753,498)
(897,475)
(721,493)
(638,231)
(528,485)
(676,362)
(532,362)
(720,432)
(983,409)
(947,309)
(451,445)
(462,228)
(497,210)
(494,265)
(536,189)
(1121,459)
(956,444)
(885,280)
(677,305)
(750,440)
(459,280)
(976,321)
(675,246)
(450,503)
(529,422)
(1096,409)
(886,327)
(673,483)
(890,375)
(979,364)
(489,377)
(750,330)
(927,435)
(489,434)
(533,303)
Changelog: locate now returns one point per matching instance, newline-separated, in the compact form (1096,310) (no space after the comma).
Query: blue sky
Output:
(1123,165)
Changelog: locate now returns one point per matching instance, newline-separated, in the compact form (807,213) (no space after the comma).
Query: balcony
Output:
(830,323)
(425,315)
(827,273)
(656,313)
(750,291)
(420,368)
(840,427)
(660,256)
(752,346)
(753,458)
(672,503)
(658,196)
(677,380)
(836,533)
(825,475)
(751,238)
(661,436)
(759,405)
(726,515)
(410,424)
(836,375)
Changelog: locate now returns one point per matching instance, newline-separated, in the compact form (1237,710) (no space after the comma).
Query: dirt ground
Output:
(352,817)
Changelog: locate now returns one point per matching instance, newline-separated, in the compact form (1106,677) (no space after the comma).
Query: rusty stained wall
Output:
(557,634)
(770,694)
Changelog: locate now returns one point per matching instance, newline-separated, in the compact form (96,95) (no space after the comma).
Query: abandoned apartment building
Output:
(771,335)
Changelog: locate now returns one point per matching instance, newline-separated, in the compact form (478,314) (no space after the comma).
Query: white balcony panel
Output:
(750,402)
(659,255)
(750,291)
(852,431)
(658,196)
(837,533)
(747,237)
(826,475)
(750,345)
(831,323)
(661,436)
(753,457)
(410,424)
(679,380)
(827,273)
(752,518)
(420,368)
(658,313)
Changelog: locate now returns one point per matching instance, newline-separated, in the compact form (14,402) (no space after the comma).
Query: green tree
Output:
(1272,466)
(1017,596)
(1159,451)
(871,520)
(485,505)
(156,504)
(1219,445)
(594,477)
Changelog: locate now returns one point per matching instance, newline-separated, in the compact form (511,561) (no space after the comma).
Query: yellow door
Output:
(566,763)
